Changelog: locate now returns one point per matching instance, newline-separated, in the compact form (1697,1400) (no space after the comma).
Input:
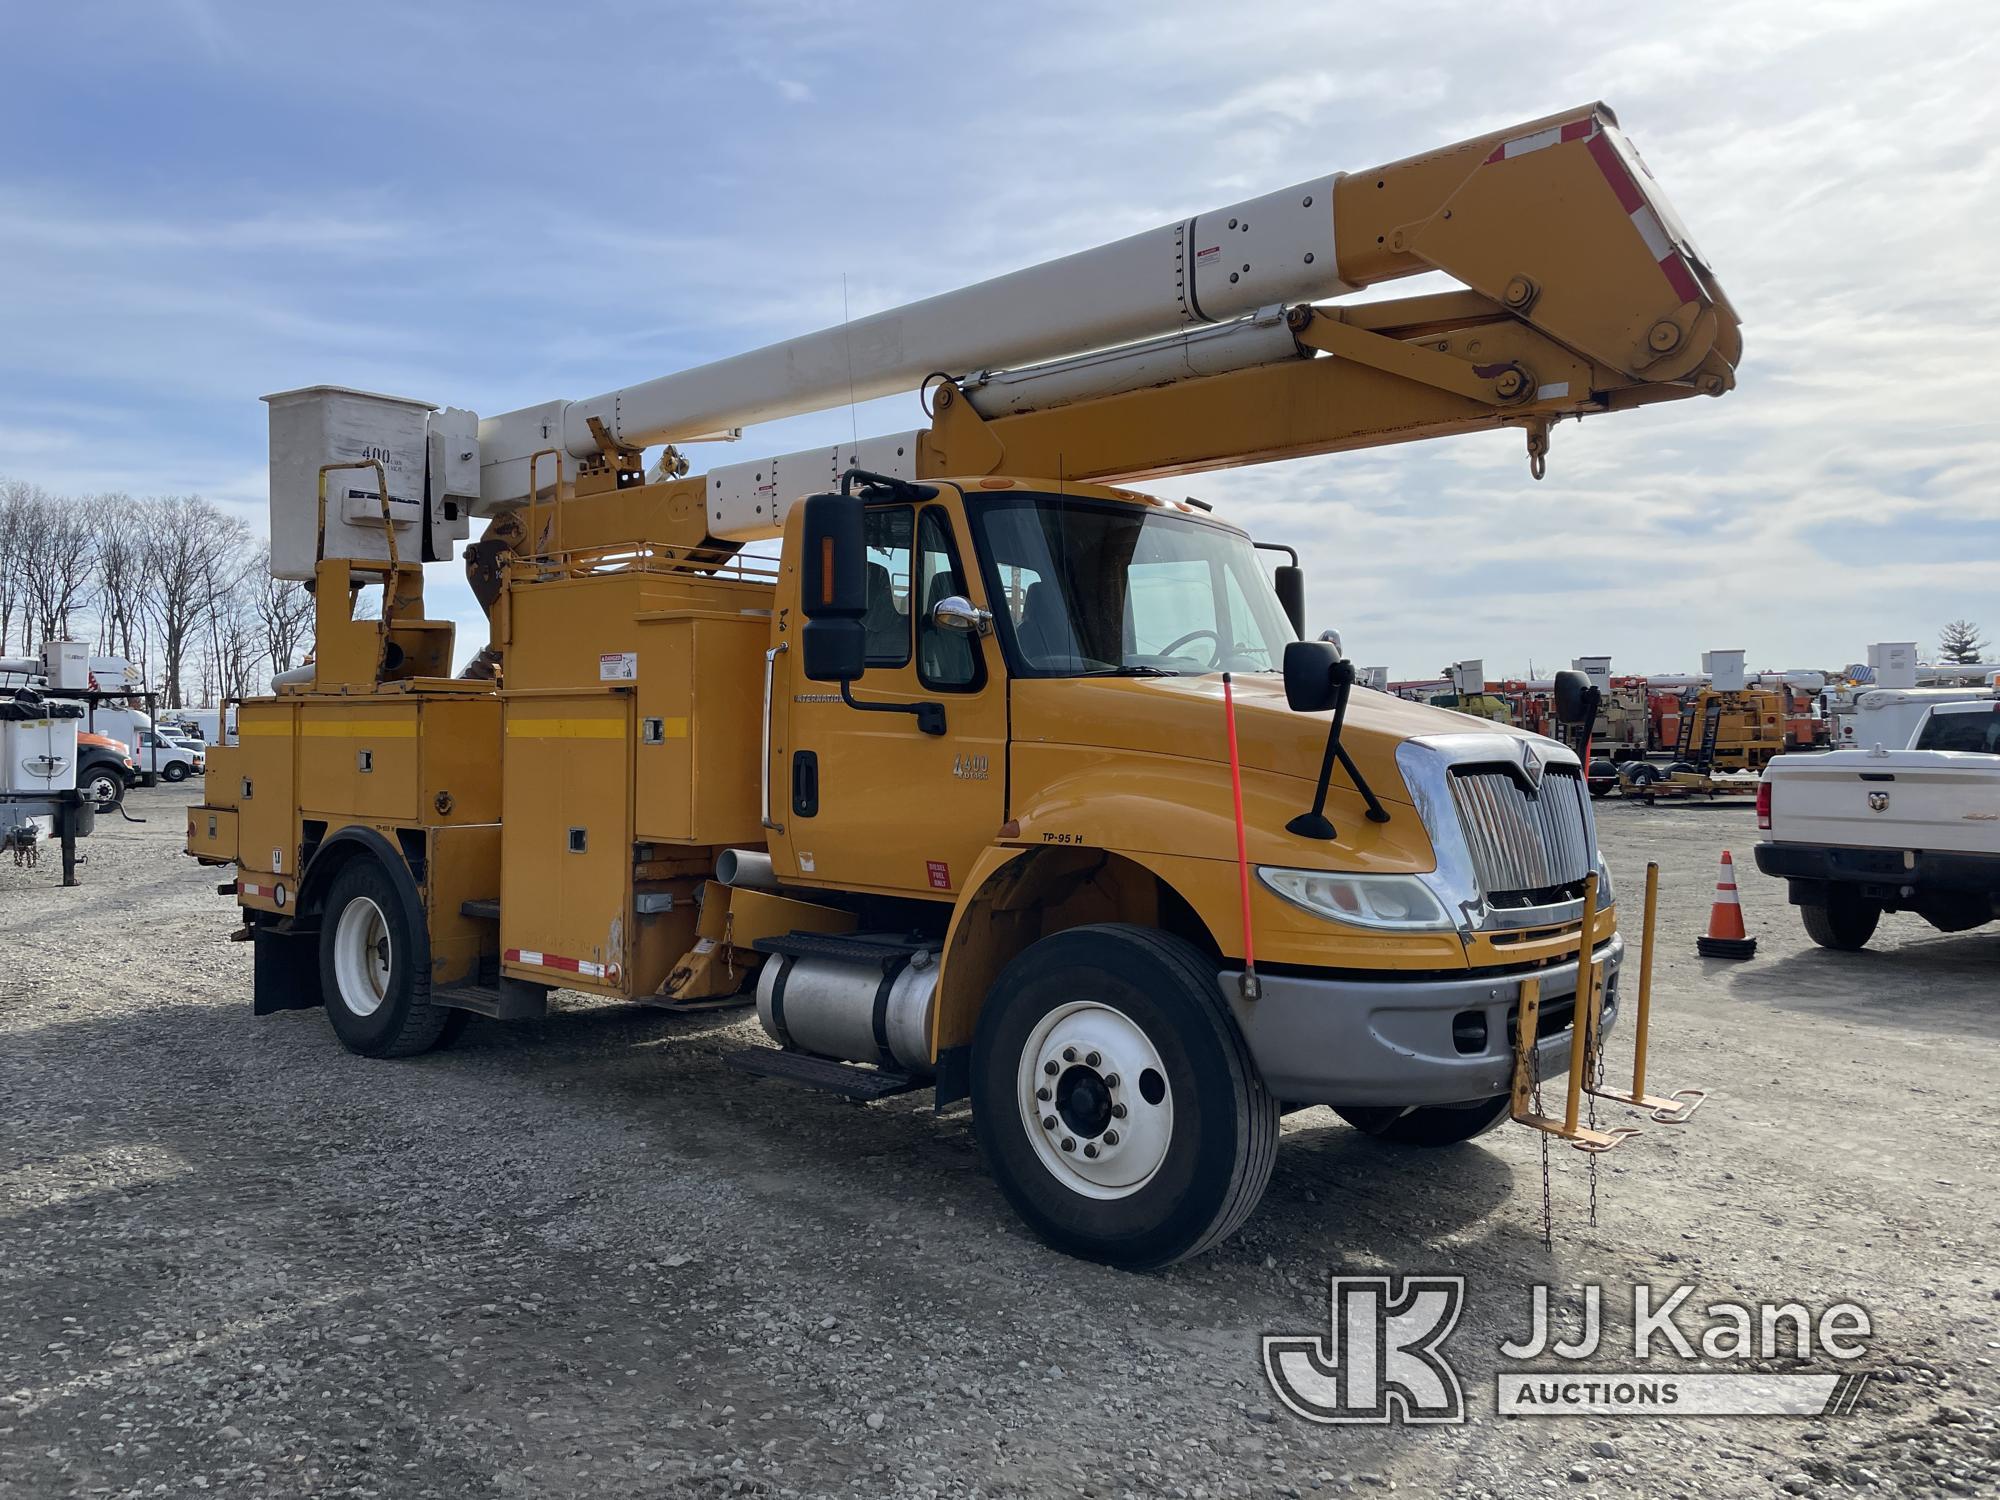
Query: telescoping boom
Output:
(1555,226)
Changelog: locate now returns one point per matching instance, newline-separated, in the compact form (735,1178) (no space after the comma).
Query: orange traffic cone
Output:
(1725,937)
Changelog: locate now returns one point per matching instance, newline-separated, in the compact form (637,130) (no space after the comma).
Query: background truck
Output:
(1856,833)
(159,756)
(999,780)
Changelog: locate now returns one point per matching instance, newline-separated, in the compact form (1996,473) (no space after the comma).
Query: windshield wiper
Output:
(1131,669)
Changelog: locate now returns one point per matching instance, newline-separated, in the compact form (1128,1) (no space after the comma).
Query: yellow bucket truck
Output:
(997,779)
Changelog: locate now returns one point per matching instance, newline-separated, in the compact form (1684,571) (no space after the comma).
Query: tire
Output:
(104,787)
(1199,1132)
(1843,922)
(374,966)
(1429,1124)
(175,772)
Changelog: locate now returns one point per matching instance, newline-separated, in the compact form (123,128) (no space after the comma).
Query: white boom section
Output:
(748,501)
(1214,267)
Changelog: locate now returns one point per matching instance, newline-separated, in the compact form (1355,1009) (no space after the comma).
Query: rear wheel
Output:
(1429,1124)
(1844,922)
(377,988)
(1116,1100)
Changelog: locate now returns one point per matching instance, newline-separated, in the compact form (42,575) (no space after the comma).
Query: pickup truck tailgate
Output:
(1923,799)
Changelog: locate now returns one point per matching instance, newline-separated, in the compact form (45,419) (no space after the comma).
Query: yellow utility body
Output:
(999,778)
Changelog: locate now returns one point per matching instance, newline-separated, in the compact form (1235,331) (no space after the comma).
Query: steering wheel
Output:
(1194,635)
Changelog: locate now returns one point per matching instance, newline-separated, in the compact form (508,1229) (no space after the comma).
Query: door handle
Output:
(805,783)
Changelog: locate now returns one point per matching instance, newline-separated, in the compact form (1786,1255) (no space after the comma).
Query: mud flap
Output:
(286,972)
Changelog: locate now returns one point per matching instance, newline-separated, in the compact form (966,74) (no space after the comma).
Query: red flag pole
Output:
(1249,982)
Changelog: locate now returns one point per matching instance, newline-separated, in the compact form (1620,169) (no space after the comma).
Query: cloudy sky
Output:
(492,204)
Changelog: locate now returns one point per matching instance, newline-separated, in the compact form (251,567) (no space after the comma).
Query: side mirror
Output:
(1311,676)
(1576,701)
(833,589)
(1290,582)
(957,613)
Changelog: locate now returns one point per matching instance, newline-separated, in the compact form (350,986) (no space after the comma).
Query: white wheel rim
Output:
(361,956)
(1116,1113)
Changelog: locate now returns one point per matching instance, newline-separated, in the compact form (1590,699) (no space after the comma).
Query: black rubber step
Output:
(844,1079)
(481,911)
(856,948)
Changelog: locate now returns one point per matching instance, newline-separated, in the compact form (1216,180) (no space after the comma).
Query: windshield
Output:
(1086,587)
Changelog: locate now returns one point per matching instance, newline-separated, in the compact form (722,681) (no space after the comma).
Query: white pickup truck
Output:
(1860,832)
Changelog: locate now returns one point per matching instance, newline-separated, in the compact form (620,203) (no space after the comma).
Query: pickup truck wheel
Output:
(1429,1124)
(1115,1098)
(175,771)
(376,996)
(105,788)
(1842,922)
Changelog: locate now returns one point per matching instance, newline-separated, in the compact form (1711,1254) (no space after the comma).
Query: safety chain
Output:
(1535,1088)
(1594,1071)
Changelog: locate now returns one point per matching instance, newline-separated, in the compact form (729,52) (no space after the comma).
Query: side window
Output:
(947,660)
(887,532)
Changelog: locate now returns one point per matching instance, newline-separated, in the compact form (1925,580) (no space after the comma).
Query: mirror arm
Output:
(930,716)
(1315,824)
(1290,551)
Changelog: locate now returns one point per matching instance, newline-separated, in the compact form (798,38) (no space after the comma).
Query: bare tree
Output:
(119,535)
(57,549)
(1960,641)
(233,644)
(13,559)
(285,608)
(192,551)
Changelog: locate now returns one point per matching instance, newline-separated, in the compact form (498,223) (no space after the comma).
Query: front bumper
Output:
(1339,1041)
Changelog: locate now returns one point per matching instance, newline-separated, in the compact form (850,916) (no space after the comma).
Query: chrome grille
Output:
(1527,848)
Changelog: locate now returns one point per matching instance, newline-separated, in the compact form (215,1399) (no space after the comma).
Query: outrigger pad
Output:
(1675,1109)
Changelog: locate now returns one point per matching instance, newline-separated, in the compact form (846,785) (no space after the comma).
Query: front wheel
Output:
(175,771)
(105,788)
(1841,922)
(377,990)
(1429,1124)
(1115,1098)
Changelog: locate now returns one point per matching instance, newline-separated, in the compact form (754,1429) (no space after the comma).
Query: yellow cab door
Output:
(865,799)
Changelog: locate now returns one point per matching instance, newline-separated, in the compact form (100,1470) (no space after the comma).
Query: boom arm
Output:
(1585,295)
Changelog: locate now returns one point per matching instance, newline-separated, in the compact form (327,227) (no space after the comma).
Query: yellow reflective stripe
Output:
(566,729)
(337,729)
(674,729)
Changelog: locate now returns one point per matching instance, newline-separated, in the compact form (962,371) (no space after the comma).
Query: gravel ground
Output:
(580,1257)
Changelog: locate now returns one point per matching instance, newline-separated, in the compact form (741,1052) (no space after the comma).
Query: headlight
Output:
(1399,902)
(1607,893)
